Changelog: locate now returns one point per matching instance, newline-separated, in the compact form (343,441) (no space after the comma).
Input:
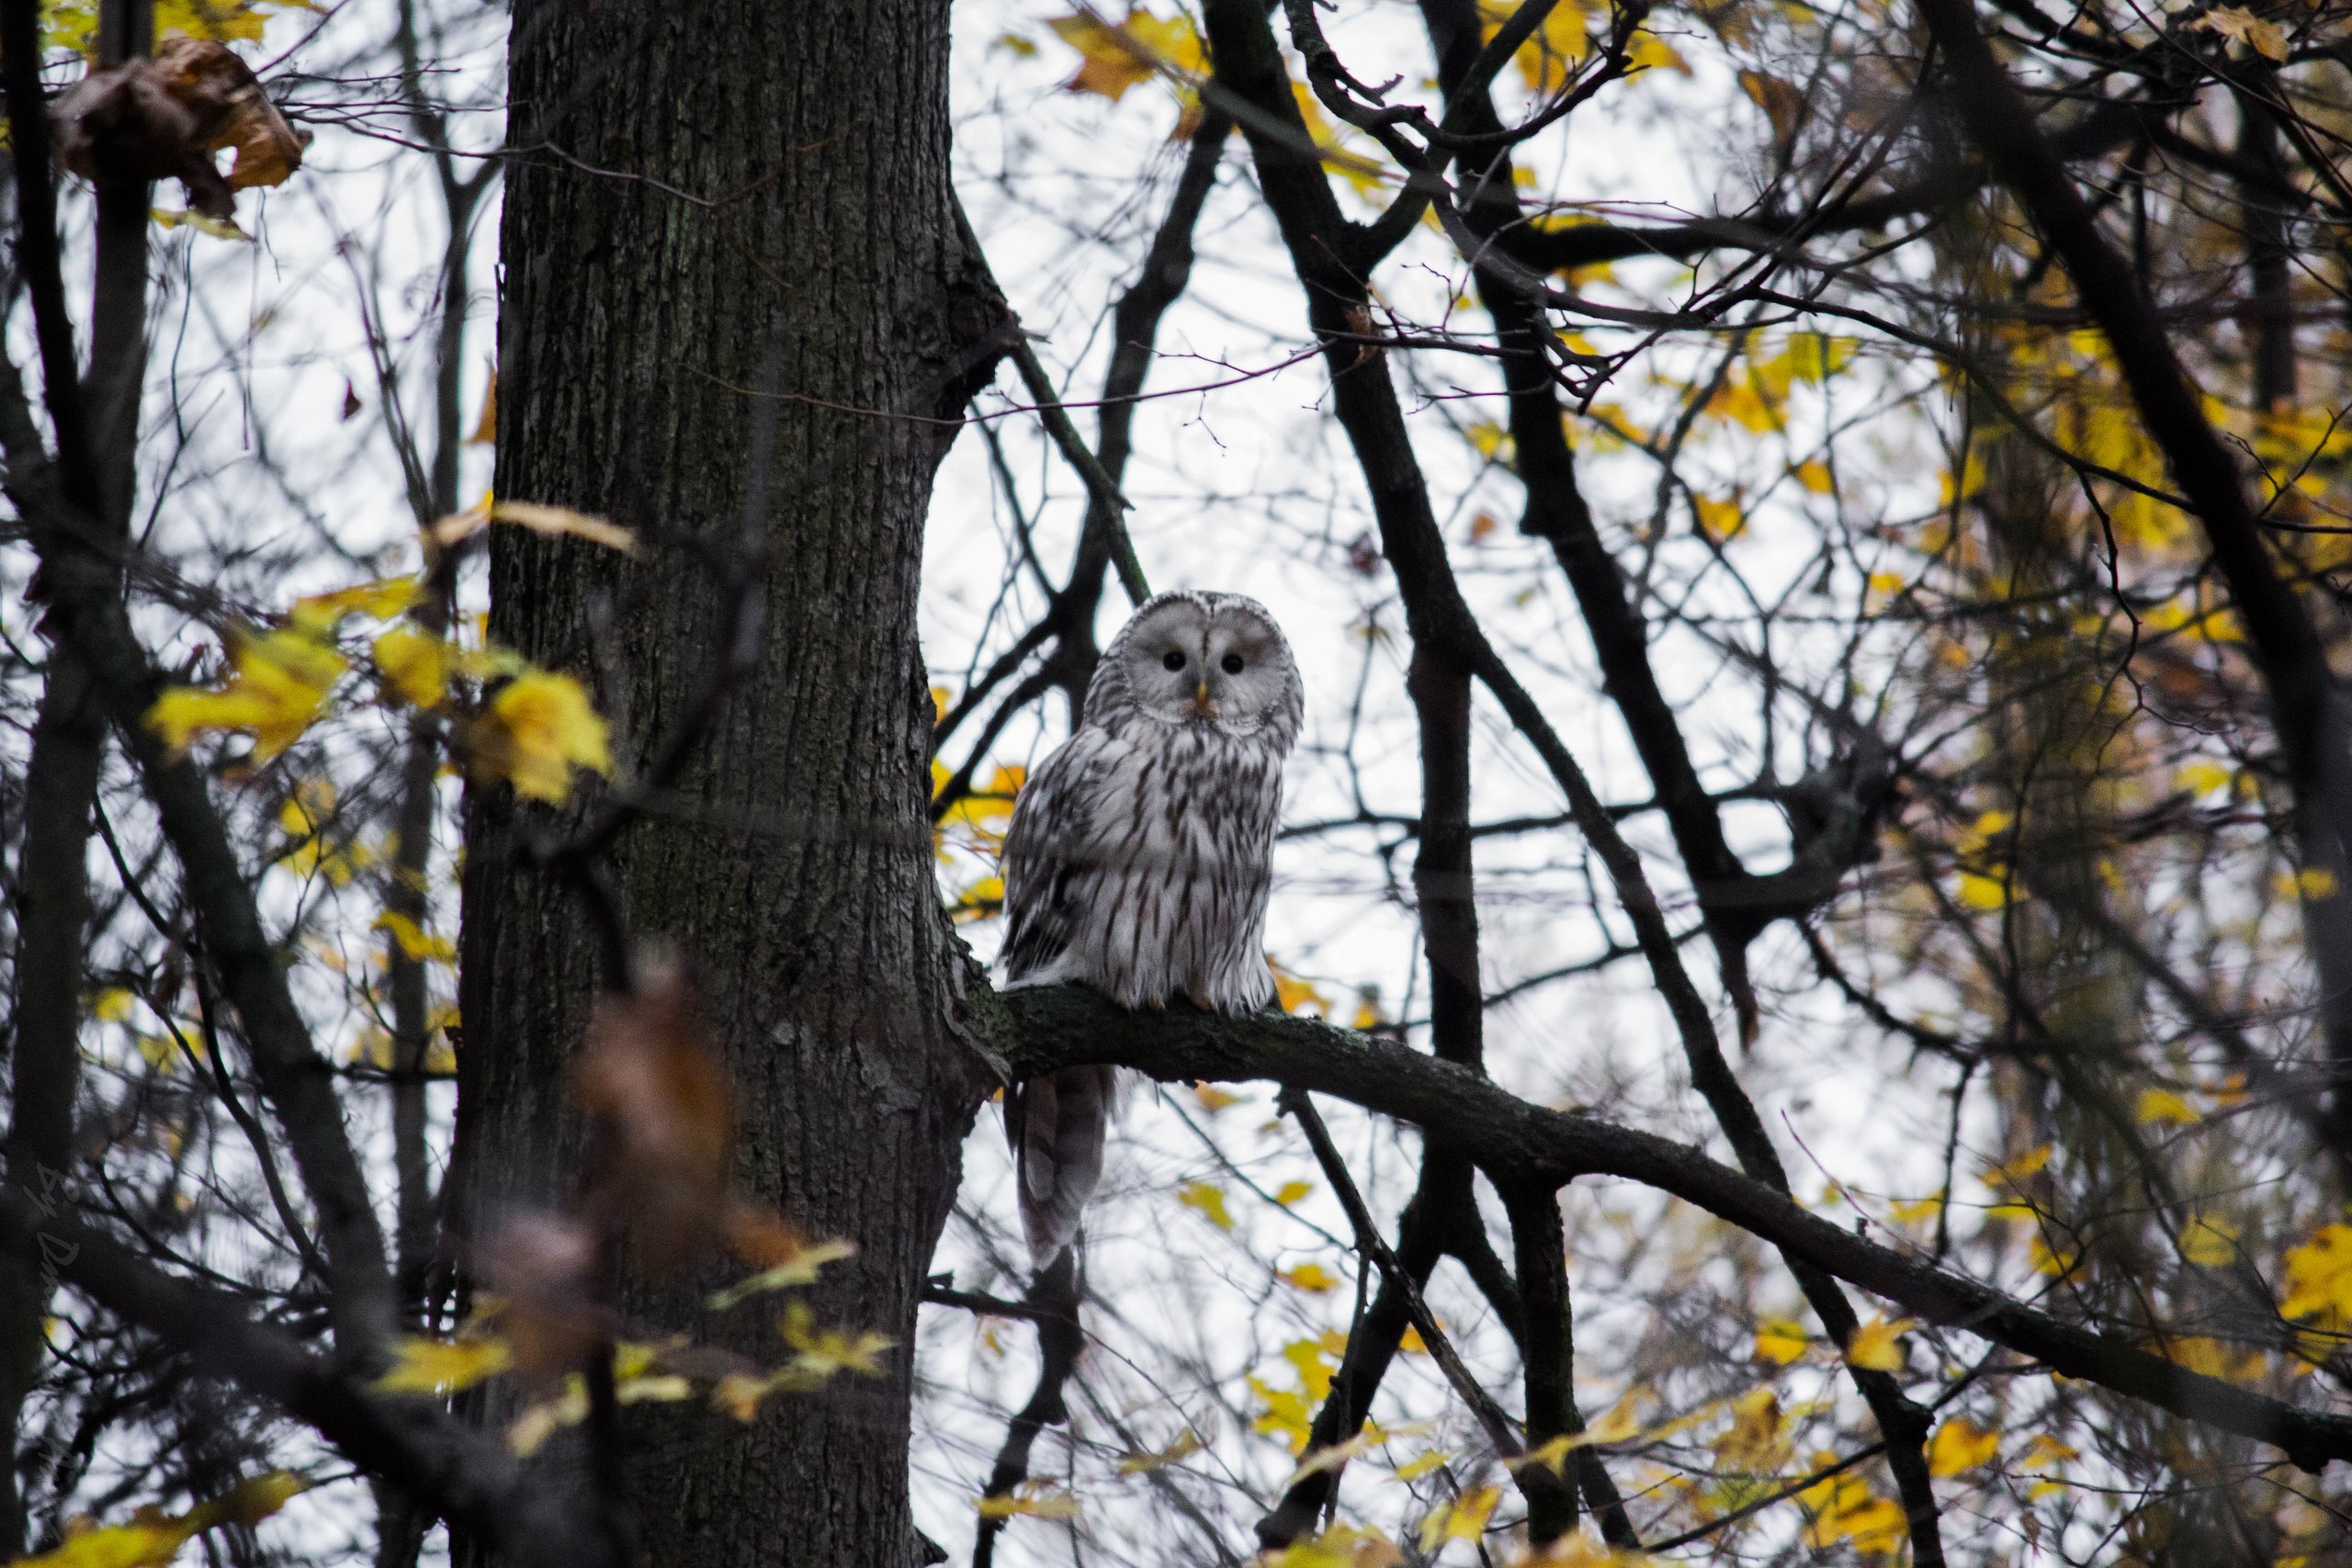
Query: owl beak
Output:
(1201,699)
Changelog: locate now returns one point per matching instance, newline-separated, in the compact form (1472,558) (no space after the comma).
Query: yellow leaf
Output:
(1041,1506)
(1745,403)
(799,1268)
(1751,1445)
(1623,1420)
(1209,1199)
(380,600)
(1961,1444)
(651,1388)
(443,1366)
(531,1429)
(415,662)
(538,727)
(1312,1278)
(1720,519)
(2045,1450)
(304,815)
(1918,1212)
(826,1351)
(2319,1275)
(202,222)
(1876,1346)
(153,1538)
(223,21)
(1293,994)
(1290,1192)
(1115,57)
(2162,1107)
(1287,1415)
(1990,825)
(1421,1464)
(278,689)
(1362,174)
(1492,441)
(1465,1518)
(2047,1261)
(980,819)
(1780,1341)
(1650,52)
(1316,1361)
(982,900)
(1341,1546)
(113,1005)
(2315,883)
(1553,1452)
(414,940)
(1842,1508)
(1876,1524)
(2203,776)
(1815,475)
(2029,1163)
(2216,1359)
(1188,1443)
(1336,1455)
(1212,1099)
(1545,59)
(1290,1414)
(1980,890)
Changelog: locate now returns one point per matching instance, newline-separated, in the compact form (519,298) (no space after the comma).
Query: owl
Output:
(1139,857)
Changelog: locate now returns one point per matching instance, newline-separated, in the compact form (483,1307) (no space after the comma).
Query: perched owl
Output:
(1139,857)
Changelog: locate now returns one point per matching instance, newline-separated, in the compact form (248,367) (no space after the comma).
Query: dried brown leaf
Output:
(165,118)
(661,1119)
(1782,103)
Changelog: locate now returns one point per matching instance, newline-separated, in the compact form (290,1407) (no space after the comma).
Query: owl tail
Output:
(1058,1127)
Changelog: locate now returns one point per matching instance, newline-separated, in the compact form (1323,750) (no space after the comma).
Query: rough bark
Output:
(703,190)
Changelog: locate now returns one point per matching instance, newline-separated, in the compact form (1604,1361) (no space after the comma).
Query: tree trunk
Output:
(702,191)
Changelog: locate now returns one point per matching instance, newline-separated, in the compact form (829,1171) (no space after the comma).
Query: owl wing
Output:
(1056,1124)
(1049,851)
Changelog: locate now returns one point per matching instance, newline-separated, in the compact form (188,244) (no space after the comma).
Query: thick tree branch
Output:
(1043,1030)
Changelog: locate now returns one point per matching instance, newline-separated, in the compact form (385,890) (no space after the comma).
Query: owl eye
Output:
(1175,660)
(1233,664)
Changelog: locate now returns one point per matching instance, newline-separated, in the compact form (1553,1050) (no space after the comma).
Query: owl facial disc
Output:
(1214,659)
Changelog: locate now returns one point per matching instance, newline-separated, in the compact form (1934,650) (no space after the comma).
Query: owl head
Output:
(1215,660)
